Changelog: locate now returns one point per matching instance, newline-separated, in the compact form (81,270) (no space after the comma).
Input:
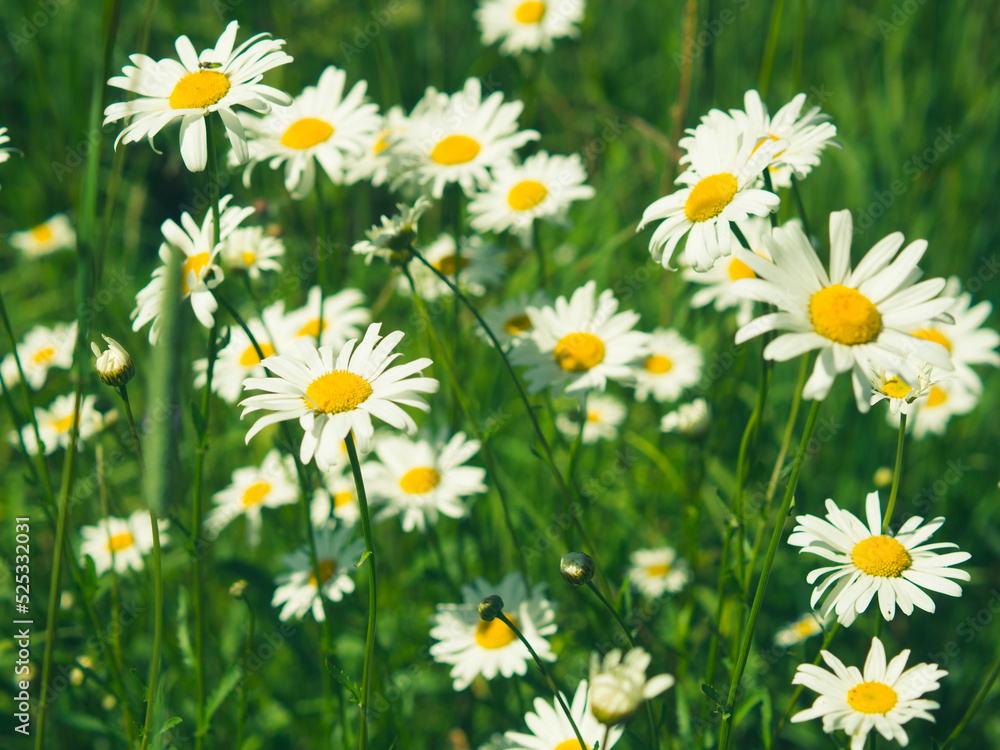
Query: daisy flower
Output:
(199,274)
(269,485)
(799,631)
(332,397)
(250,249)
(55,425)
(691,420)
(344,315)
(543,187)
(124,539)
(509,320)
(882,698)
(378,160)
(55,233)
(393,240)
(471,264)
(550,728)
(42,349)
(214,81)
(656,572)
(114,365)
(673,364)
(336,502)
(475,647)
(581,343)
(899,394)
(867,562)
(5,151)
(619,685)
(605,415)
(417,479)
(931,413)
(857,320)
(528,24)
(298,591)
(719,189)
(460,137)
(321,125)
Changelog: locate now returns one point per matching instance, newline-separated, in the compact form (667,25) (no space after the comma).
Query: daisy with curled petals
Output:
(418,479)
(673,364)
(551,730)
(603,417)
(123,540)
(321,125)
(659,571)
(331,397)
(250,249)
(509,320)
(55,233)
(883,697)
(899,394)
(931,413)
(56,422)
(378,161)
(719,189)
(868,563)
(528,24)
(460,137)
(344,315)
(393,240)
(618,685)
(42,349)
(214,81)
(475,647)
(543,187)
(580,343)
(199,273)
(269,485)
(298,592)
(471,264)
(857,320)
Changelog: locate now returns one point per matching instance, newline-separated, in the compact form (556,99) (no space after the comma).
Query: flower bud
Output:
(237,589)
(490,607)
(114,366)
(577,568)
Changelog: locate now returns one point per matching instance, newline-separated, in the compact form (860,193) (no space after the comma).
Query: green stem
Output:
(895,474)
(802,207)
(242,710)
(769,47)
(322,251)
(984,691)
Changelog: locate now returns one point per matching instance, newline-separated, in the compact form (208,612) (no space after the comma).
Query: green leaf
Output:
(713,694)
(340,676)
(169,724)
(229,681)
(364,556)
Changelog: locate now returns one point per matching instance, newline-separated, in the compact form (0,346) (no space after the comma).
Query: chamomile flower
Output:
(691,420)
(418,479)
(238,359)
(899,394)
(337,500)
(550,729)
(269,485)
(250,249)
(331,397)
(476,647)
(298,591)
(659,571)
(580,343)
(55,233)
(800,630)
(857,320)
(509,320)
(867,562)
(124,539)
(214,81)
(322,124)
(673,364)
(42,349)
(543,187)
(5,151)
(931,413)
(883,697)
(114,365)
(199,273)
(393,241)
(460,137)
(472,263)
(378,160)
(56,422)
(618,685)
(603,417)
(344,315)
(528,24)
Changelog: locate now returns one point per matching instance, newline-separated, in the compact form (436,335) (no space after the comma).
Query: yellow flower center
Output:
(255,493)
(382,143)
(517,324)
(872,698)
(658,364)
(455,149)
(249,258)
(311,328)
(805,628)
(250,358)
(527,194)
(844,315)
(449,264)
(337,392)
(43,355)
(710,196)
(118,542)
(530,12)
(420,480)
(343,498)
(194,264)
(593,416)
(930,334)
(936,396)
(578,352)
(306,133)
(326,570)
(896,388)
(573,744)
(198,90)
(881,556)
(63,425)
(495,633)
(658,570)
(740,270)
(41,233)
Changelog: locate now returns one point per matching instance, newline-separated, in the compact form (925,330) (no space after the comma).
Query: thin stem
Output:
(769,48)
(802,207)
(242,710)
(321,253)
(895,473)
(984,691)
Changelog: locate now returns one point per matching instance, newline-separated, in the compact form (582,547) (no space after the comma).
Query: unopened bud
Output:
(237,589)
(114,365)
(577,568)
(490,607)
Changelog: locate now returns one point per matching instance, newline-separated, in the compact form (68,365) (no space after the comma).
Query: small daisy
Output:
(619,685)
(5,151)
(474,264)
(509,320)
(799,631)
(659,571)
(673,364)
(393,241)
(417,479)
(581,343)
(55,425)
(931,413)
(691,420)
(270,485)
(475,647)
(250,249)
(867,562)
(43,348)
(882,698)
(189,90)
(337,500)
(331,397)
(199,274)
(344,316)
(899,394)
(378,160)
(298,590)
(605,415)
(543,187)
(460,137)
(127,539)
(55,233)
(114,365)
(528,24)
(855,319)
(551,730)
(321,125)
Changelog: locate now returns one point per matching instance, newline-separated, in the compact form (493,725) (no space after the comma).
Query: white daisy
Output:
(619,685)
(460,137)
(856,319)
(528,24)
(673,364)
(551,730)
(321,125)
(543,187)
(605,415)
(199,274)
(5,151)
(581,343)
(475,647)
(42,348)
(882,698)
(800,630)
(127,538)
(868,562)
(659,571)
(214,81)
(331,397)
(378,162)
(270,485)
(899,394)
(55,233)
(344,316)
(250,249)
(474,264)
(509,320)
(56,422)
(393,241)
(417,479)
(691,420)
(931,413)
(336,502)
(298,590)
(114,365)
